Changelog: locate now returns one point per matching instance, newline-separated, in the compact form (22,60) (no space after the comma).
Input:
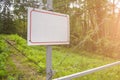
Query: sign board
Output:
(47,27)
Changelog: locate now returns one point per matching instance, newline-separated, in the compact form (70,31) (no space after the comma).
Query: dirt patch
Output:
(23,70)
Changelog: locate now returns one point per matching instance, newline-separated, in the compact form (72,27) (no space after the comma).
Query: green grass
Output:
(77,63)
(3,57)
(64,60)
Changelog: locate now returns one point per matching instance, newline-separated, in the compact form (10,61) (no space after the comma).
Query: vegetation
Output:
(3,57)
(64,62)
(94,23)
(94,36)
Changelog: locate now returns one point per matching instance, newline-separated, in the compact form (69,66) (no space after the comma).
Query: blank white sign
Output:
(47,28)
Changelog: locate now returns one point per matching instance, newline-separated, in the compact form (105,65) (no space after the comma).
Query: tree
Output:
(7,25)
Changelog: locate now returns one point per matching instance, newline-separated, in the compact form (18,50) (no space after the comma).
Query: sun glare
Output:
(11,8)
(117,5)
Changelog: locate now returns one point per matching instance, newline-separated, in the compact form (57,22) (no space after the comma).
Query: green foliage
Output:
(74,63)
(92,21)
(34,54)
(3,57)
(6,25)
(94,27)
(2,73)
(11,78)
(64,61)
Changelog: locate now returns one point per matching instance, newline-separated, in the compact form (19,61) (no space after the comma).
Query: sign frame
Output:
(51,15)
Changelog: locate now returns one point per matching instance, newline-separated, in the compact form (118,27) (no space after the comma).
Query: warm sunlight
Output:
(59,39)
(117,5)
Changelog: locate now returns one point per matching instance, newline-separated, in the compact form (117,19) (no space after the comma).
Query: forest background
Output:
(94,24)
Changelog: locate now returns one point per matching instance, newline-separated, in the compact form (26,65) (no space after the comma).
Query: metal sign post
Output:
(49,63)
(46,27)
(49,51)
(48,47)
(50,5)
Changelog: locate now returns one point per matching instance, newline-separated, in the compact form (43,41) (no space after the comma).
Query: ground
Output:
(22,71)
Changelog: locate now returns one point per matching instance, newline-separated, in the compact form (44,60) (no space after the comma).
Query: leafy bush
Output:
(32,53)
(64,63)
(3,57)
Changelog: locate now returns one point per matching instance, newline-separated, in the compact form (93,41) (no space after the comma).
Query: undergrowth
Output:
(64,62)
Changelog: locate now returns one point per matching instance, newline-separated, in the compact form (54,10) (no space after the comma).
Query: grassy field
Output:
(19,61)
